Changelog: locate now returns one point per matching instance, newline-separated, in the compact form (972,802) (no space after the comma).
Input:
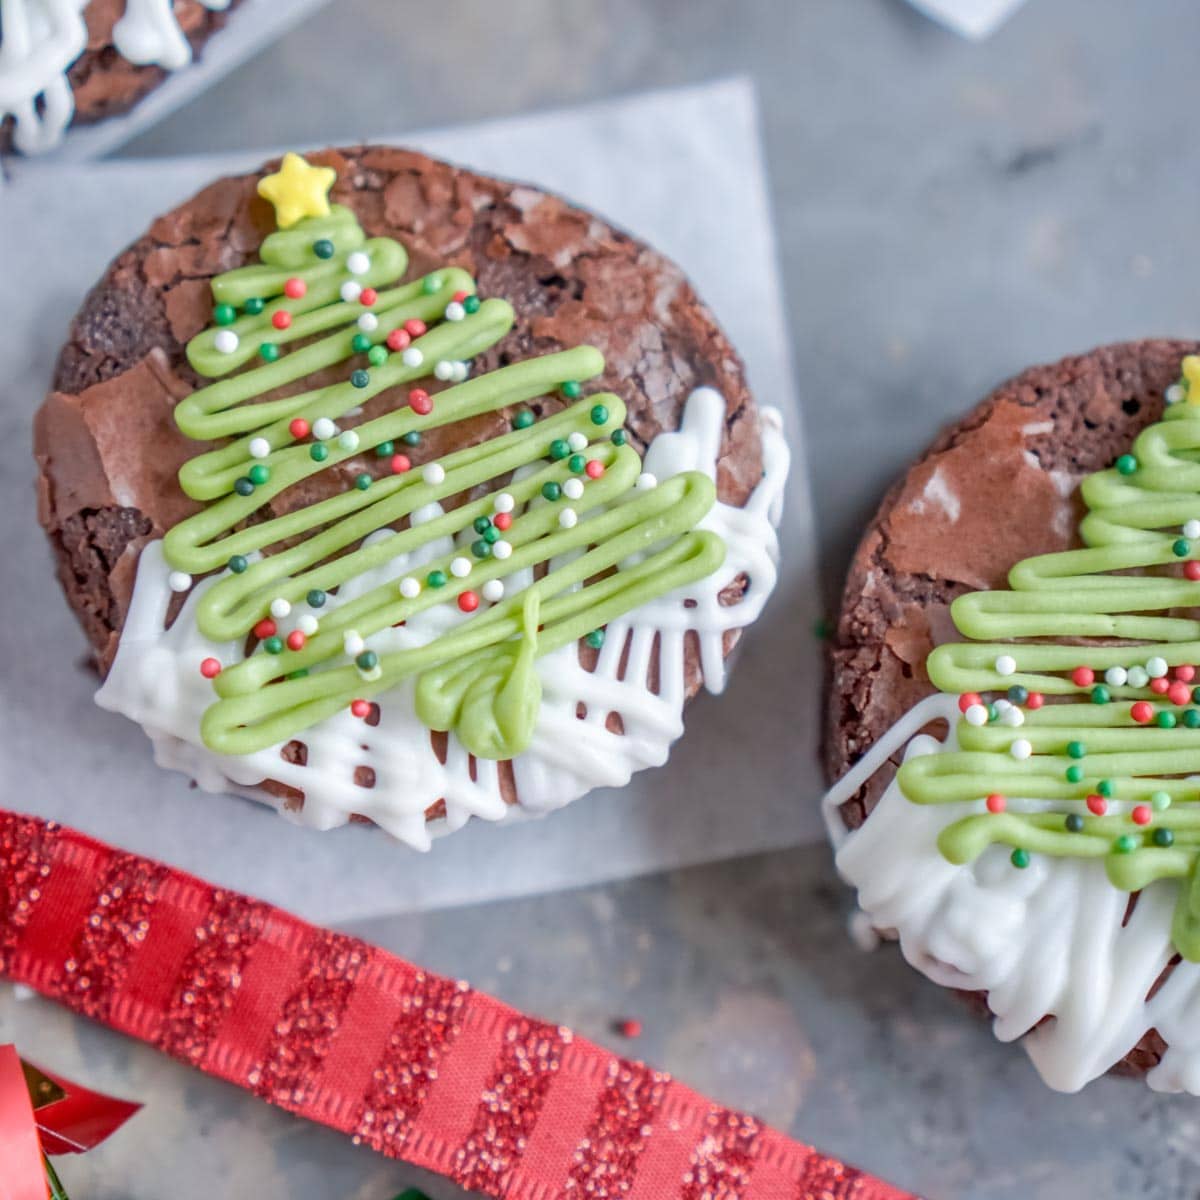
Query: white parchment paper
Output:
(684,170)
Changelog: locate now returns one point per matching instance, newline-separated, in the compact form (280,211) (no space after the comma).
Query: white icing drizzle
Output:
(155,679)
(42,38)
(1048,940)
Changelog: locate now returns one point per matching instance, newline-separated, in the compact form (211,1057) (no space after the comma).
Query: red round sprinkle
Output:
(1035,700)
(1159,686)
(414,327)
(502,521)
(629,1028)
(295,288)
(1179,693)
(264,629)
(398,339)
(460,296)
(1191,570)
(1142,712)
(1097,804)
(1083,676)
(360,708)
(996,803)
(282,319)
(1141,814)
(967,699)
(298,428)
(368,296)
(419,401)
(594,469)
(210,668)
(1185,673)
(296,640)
(468,601)
(400,463)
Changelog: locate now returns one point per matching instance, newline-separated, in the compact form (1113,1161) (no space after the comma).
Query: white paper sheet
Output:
(681,168)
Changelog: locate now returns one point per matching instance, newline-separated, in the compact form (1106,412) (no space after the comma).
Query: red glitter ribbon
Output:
(419,1067)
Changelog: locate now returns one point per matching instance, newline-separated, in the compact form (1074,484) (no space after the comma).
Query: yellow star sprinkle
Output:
(1191,375)
(297,190)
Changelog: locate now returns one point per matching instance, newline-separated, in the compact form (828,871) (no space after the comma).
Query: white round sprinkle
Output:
(179,581)
(1116,676)
(976,714)
(572,488)
(323,429)
(308,624)
(1156,667)
(1192,529)
(459,371)
(412,357)
(348,440)
(568,518)
(1173,394)
(376,672)
(493,591)
(455,311)
(1002,706)
(368,322)
(502,549)
(444,370)
(646,481)
(280,608)
(1136,677)
(1021,748)
(433,473)
(1012,716)
(1006,665)
(410,587)
(578,441)
(350,291)
(259,447)
(460,567)
(226,341)
(352,643)
(358,263)
(503,503)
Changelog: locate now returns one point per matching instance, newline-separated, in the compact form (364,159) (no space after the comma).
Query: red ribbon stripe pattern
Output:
(419,1067)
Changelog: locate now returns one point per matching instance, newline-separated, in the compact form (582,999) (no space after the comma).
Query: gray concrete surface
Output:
(948,213)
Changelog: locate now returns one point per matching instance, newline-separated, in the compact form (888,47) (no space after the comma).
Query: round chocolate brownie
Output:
(994,488)
(110,450)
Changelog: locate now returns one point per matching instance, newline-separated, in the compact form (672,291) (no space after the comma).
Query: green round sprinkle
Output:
(481,524)
(412,438)
(577,463)
(1074,823)
(360,378)
(1164,837)
(1165,720)
(377,356)
(238,563)
(1125,844)
(993,712)
(436,579)
(268,351)
(1127,464)
(1191,718)
(368,660)
(318,452)
(298,673)
(491,535)
(243,486)
(1105,788)
(385,449)
(1075,774)
(617,437)
(323,248)
(551,490)
(1017,694)
(599,414)
(360,343)
(471,304)
(1160,801)
(1020,858)
(1076,749)
(254,306)
(572,390)
(224,314)
(1181,548)
(362,482)
(259,474)
(1101,694)
(595,639)
(315,598)
(523,419)
(273,645)
(559,449)
(480,548)
(430,284)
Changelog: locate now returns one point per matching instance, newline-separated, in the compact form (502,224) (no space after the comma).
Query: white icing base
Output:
(1044,941)
(155,679)
(42,38)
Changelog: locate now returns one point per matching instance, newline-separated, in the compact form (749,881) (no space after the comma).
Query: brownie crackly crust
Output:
(996,487)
